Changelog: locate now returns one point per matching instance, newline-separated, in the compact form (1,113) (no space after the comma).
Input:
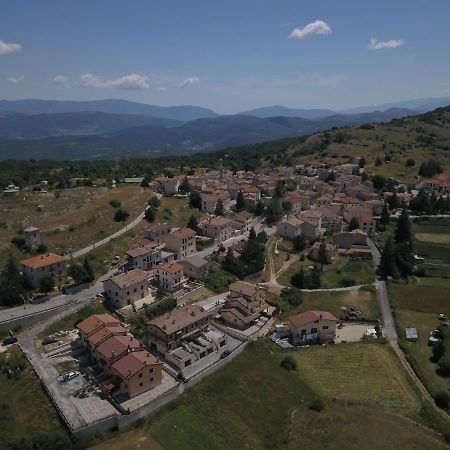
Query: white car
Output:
(70,375)
(115,260)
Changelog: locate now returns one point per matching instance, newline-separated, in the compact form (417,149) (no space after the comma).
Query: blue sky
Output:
(228,56)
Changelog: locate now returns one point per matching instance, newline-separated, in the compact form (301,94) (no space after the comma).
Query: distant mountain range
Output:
(118,128)
(201,135)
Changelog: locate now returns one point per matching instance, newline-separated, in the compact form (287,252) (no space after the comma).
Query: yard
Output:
(254,403)
(418,305)
(176,211)
(26,411)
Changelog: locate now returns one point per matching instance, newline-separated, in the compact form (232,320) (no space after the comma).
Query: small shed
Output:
(411,334)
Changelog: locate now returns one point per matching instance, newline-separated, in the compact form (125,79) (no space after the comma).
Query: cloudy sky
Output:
(228,56)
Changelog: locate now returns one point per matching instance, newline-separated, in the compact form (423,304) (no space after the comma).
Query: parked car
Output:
(115,260)
(9,340)
(70,375)
(225,354)
(49,340)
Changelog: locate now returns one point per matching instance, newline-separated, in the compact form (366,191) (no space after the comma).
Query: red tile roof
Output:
(116,345)
(134,362)
(172,267)
(36,262)
(90,324)
(308,317)
(104,332)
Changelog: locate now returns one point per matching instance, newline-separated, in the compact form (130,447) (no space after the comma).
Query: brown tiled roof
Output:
(129,278)
(243,288)
(38,261)
(134,362)
(116,345)
(218,221)
(139,251)
(104,332)
(183,233)
(90,324)
(308,317)
(172,267)
(179,318)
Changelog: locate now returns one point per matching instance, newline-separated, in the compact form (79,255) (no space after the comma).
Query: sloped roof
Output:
(308,317)
(116,345)
(90,324)
(38,261)
(134,362)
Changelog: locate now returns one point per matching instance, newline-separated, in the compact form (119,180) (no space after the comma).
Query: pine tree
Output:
(229,262)
(219,210)
(387,266)
(259,208)
(89,270)
(274,211)
(354,224)
(252,235)
(298,279)
(185,187)
(322,254)
(150,214)
(193,224)
(403,230)
(315,277)
(240,201)
(195,200)
(280,189)
(384,218)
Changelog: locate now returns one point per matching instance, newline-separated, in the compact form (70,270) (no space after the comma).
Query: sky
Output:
(229,56)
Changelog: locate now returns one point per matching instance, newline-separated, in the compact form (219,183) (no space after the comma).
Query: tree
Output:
(46,284)
(259,208)
(150,215)
(280,189)
(393,201)
(121,215)
(252,235)
(185,187)
(193,224)
(262,237)
(89,270)
(322,257)
(154,202)
(387,266)
(362,162)
(438,351)
(145,181)
(298,279)
(219,210)
(299,243)
(240,201)
(403,229)
(274,212)
(287,206)
(195,199)
(78,273)
(384,218)
(315,277)
(13,287)
(354,224)
(229,263)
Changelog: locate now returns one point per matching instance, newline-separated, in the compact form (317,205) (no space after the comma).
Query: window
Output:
(141,375)
(135,290)
(150,370)
(151,379)
(141,384)
(325,327)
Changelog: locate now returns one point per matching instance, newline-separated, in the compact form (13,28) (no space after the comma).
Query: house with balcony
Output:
(144,257)
(181,242)
(170,276)
(312,327)
(218,228)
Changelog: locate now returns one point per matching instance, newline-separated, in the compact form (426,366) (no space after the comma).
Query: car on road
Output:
(9,340)
(115,260)
(225,354)
(70,375)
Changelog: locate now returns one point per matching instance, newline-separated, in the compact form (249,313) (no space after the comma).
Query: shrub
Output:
(410,162)
(115,203)
(444,365)
(317,405)
(121,215)
(346,282)
(442,399)
(289,363)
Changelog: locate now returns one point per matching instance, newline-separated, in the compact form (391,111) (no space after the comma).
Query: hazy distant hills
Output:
(199,135)
(32,106)
(277,110)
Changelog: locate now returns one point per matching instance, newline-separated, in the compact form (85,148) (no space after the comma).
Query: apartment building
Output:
(36,267)
(126,288)
(181,242)
(218,228)
(169,276)
(144,257)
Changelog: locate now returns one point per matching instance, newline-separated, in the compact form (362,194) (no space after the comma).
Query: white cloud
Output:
(16,80)
(6,48)
(60,80)
(317,27)
(190,81)
(131,82)
(375,44)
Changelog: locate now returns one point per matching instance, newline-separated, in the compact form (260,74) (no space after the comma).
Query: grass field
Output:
(176,211)
(25,408)
(418,305)
(363,300)
(433,238)
(253,403)
(218,280)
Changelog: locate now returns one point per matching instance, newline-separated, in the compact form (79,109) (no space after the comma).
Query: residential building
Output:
(209,201)
(181,242)
(126,288)
(95,323)
(218,228)
(114,348)
(104,333)
(244,304)
(36,267)
(145,257)
(137,372)
(312,327)
(167,332)
(290,228)
(157,232)
(243,221)
(349,239)
(169,276)
(195,267)
(331,251)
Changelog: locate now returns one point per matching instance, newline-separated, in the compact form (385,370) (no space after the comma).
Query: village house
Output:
(36,267)
(157,232)
(168,186)
(145,257)
(114,348)
(218,228)
(209,201)
(312,327)
(195,267)
(439,184)
(168,331)
(104,333)
(95,323)
(245,303)
(126,288)
(332,220)
(182,242)
(355,241)
(252,194)
(243,221)
(137,372)
(290,228)
(169,276)
(331,251)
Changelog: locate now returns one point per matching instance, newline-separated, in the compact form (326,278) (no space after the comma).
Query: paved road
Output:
(104,241)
